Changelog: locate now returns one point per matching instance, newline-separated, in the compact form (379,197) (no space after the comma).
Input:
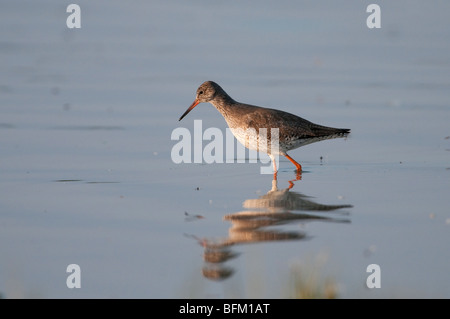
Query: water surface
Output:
(86,118)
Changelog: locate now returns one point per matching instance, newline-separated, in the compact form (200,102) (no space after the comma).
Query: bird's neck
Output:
(223,103)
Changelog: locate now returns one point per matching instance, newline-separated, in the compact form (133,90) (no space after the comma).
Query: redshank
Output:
(243,119)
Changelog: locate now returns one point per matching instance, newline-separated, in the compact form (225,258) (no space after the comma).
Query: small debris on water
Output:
(190,217)
(369,250)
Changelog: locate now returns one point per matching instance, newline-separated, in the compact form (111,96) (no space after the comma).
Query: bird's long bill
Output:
(189,109)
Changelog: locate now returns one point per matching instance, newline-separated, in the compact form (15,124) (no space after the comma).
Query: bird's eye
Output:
(200,93)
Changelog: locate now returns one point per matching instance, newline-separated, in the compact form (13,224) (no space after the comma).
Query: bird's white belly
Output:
(256,141)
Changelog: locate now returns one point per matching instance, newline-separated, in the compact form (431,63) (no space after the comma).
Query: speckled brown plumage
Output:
(294,131)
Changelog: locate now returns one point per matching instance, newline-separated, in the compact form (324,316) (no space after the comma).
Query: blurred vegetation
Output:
(307,282)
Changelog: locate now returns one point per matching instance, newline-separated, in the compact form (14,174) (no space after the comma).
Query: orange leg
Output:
(299,167)
(274,163)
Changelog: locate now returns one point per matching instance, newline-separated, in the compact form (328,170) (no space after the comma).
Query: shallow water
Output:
(86,118)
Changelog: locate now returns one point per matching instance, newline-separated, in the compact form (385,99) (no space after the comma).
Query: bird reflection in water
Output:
(255,224)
